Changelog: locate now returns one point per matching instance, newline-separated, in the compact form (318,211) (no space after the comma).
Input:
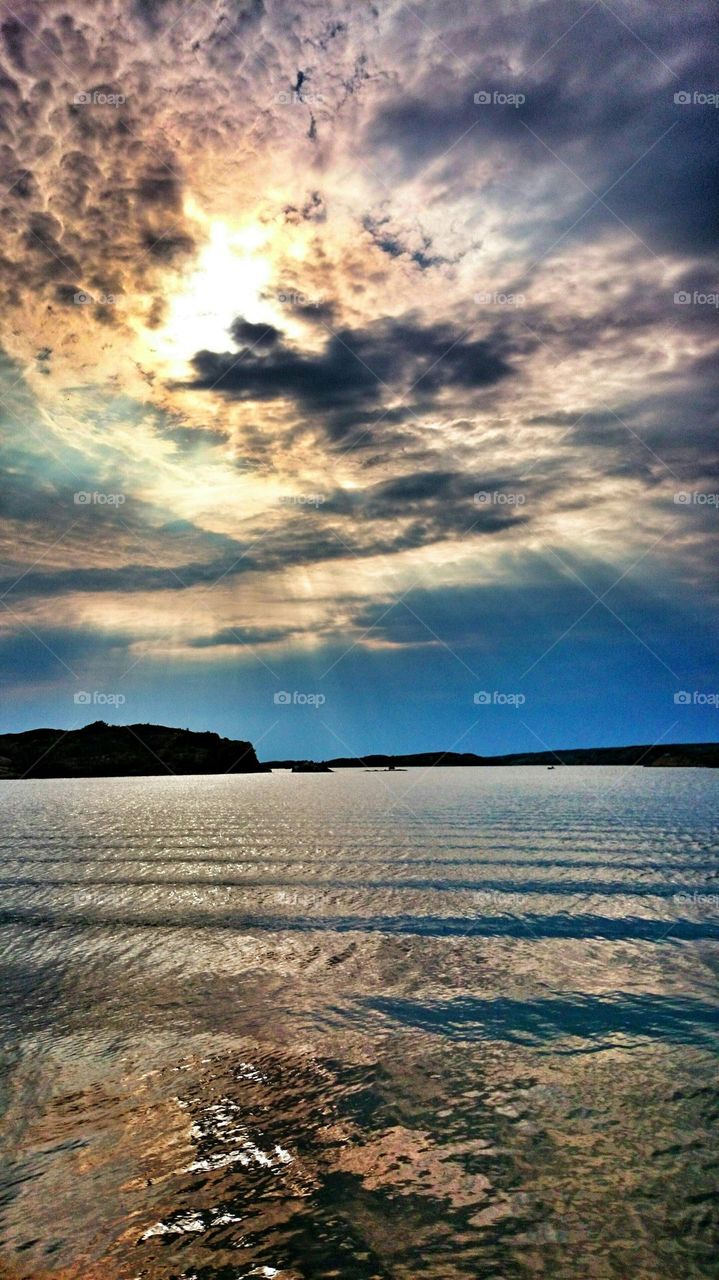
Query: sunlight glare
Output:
(228,280)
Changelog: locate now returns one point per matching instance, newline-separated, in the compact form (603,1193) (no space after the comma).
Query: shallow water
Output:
(444,1024)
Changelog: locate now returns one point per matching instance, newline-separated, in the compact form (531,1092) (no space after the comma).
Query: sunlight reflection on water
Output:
(449,1024)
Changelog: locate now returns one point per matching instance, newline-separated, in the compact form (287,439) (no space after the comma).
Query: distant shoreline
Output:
(668,755)
(101,750)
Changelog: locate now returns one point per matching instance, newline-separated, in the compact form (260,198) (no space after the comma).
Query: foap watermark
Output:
(294,298)
(692,498)
(497,698)
(94,499)
(98,699)
(695,298)
(699,899)
(298,699)
(295,97)
(498,498)
(490,898)
(99,98)
(84,299)
(686,698)
(696,98)
(485,98)
(498,299)
(301,499)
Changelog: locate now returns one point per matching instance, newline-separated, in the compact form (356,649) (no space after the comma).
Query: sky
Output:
(358,371)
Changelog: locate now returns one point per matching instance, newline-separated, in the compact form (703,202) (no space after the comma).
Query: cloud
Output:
(593,126)
(357,370)
(422,299)
(236,637)
(254,336)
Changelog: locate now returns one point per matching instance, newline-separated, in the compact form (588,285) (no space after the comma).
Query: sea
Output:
(453,1024)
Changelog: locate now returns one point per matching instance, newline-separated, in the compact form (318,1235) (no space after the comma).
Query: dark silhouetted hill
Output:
(105,750)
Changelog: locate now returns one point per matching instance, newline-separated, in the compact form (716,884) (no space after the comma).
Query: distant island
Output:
(102,750)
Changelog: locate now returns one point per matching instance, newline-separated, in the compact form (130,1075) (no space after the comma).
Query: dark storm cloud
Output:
(445,500)
(257,336)
(356,368)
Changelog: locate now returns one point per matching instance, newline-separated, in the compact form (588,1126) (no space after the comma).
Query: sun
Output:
(229,278)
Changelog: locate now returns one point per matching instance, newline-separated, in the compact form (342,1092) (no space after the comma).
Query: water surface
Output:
(445,1024)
